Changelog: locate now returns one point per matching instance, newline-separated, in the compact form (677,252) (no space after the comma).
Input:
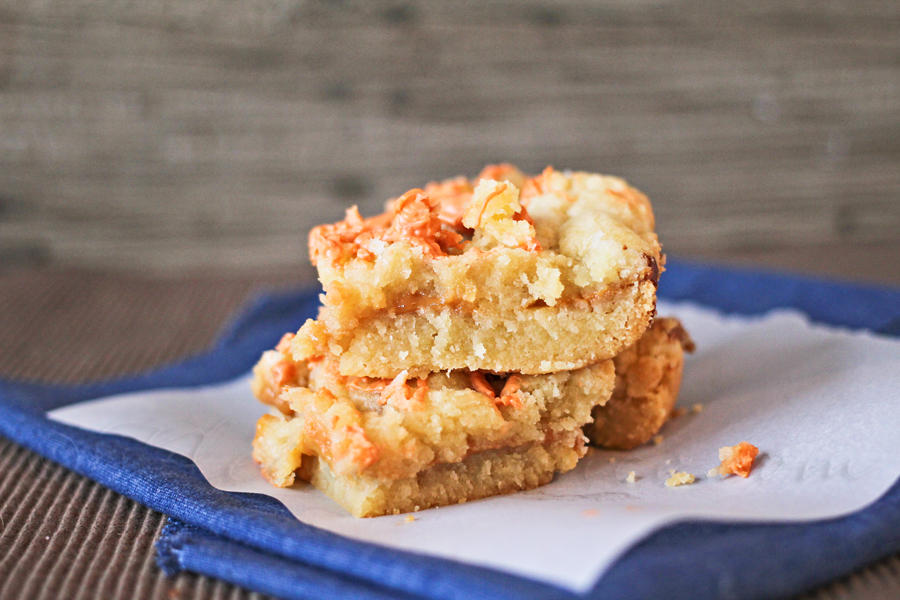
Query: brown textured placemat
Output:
(64,536)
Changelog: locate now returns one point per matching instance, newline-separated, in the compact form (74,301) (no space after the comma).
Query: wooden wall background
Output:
(172,134)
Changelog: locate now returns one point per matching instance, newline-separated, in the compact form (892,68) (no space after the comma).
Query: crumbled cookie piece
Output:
(736,460)
(631,477)
(679,478)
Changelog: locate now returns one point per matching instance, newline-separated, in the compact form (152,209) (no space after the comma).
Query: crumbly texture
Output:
(509,274)
(648,377)
(379,446)
(680,478)
(736,460)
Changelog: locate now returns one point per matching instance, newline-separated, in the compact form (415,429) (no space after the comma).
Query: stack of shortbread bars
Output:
(470,338)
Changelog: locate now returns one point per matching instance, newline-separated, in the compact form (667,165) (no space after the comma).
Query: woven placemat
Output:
(63,536)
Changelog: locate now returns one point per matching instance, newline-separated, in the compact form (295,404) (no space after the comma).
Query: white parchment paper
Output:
(822,405)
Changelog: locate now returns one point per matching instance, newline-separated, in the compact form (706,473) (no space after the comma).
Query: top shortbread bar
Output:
(504,274)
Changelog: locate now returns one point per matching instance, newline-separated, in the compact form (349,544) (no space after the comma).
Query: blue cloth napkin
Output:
(253,541)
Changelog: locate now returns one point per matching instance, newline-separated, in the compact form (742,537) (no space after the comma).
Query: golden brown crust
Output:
(648,377)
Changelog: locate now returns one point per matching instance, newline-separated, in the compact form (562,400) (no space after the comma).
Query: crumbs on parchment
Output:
(736,460)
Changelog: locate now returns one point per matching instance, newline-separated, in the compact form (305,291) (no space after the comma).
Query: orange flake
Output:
(536,186)
(401,396)
(501,172)
(368,384)
(285,343)
(453,196)
(397,387)
(736,460)
(359,449)
(284,372)
(481,385)
(421,390)
(509,395)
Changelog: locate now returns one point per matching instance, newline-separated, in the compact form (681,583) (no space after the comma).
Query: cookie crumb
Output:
(697,408)
(409,518)
(680,478)
(590,512)
(736,460)
(657,439)
(612,459)
(631,477)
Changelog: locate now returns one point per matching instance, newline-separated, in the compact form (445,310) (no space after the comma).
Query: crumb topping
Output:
(431,219)
(736,460)
(498,218)
(414,217)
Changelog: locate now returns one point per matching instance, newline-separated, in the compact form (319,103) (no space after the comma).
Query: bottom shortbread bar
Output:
(479,475)
(385,446)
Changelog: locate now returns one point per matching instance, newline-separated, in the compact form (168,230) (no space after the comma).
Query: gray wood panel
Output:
(174,134)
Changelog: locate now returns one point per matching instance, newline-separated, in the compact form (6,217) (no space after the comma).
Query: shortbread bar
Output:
(385,446)
(648,377)
(506,274)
